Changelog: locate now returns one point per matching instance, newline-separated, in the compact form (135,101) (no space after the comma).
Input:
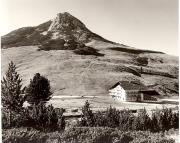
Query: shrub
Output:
(124,120)
(39,90)
(142,61)
(100,119)
(44,118)
(23,135)
(38,116)
(83,135)
(12,119)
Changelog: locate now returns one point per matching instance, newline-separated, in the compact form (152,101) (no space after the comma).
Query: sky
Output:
(144,24)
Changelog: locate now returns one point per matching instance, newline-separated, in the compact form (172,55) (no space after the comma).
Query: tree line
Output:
(125,120)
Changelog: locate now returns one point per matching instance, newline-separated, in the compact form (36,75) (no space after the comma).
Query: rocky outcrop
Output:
(66,22)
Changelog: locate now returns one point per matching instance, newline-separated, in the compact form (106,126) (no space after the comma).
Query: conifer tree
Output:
(39,90)
(175,120)
(11,89)
(88,116)
(144,120)
(154,123)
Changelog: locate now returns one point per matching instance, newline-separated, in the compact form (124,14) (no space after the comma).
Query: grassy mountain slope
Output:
(72,74)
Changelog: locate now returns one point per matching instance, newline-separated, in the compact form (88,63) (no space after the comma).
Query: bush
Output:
(38,116)
(44,118)
(125,120)
(142,61)
(23,135)
(12,119)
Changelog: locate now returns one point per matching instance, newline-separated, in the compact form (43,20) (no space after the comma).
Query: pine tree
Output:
(144,120)
(88,118)
(136,123)
(39,90)
(154,123)
(11,89)
(175,120)
(112,116)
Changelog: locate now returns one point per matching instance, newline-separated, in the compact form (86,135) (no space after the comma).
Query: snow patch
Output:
(44,33)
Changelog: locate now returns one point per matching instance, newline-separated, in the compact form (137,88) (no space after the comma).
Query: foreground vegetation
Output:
(84,135)
(125,120)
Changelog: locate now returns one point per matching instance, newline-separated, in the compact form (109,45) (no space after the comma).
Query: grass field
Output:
(101,103)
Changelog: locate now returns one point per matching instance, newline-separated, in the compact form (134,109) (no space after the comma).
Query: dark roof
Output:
(150,92)
(115,85)
(130,85)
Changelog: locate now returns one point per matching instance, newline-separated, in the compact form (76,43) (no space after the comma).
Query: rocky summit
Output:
(66,22)
(80,62)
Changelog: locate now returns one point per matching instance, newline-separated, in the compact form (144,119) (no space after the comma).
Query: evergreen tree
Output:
(144,120)
(154,123)
(164,119)
(136,123)
(175,120)
(88,118)
(39,90)
(112,116)
(11,89)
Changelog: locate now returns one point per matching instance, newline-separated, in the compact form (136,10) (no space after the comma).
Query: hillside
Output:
(80,62)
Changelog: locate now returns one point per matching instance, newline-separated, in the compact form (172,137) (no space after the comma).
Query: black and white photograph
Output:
(89,71)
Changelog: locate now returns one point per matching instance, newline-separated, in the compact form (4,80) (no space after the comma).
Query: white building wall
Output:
(118,93)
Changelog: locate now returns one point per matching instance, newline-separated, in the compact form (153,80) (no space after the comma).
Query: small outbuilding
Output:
(133,91)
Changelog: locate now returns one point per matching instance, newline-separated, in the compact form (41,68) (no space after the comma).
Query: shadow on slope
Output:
(61,44)
(133,51)
(87,51)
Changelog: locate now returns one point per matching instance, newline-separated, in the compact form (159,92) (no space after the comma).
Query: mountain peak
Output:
(66,22)
(67,14)
(63,26)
